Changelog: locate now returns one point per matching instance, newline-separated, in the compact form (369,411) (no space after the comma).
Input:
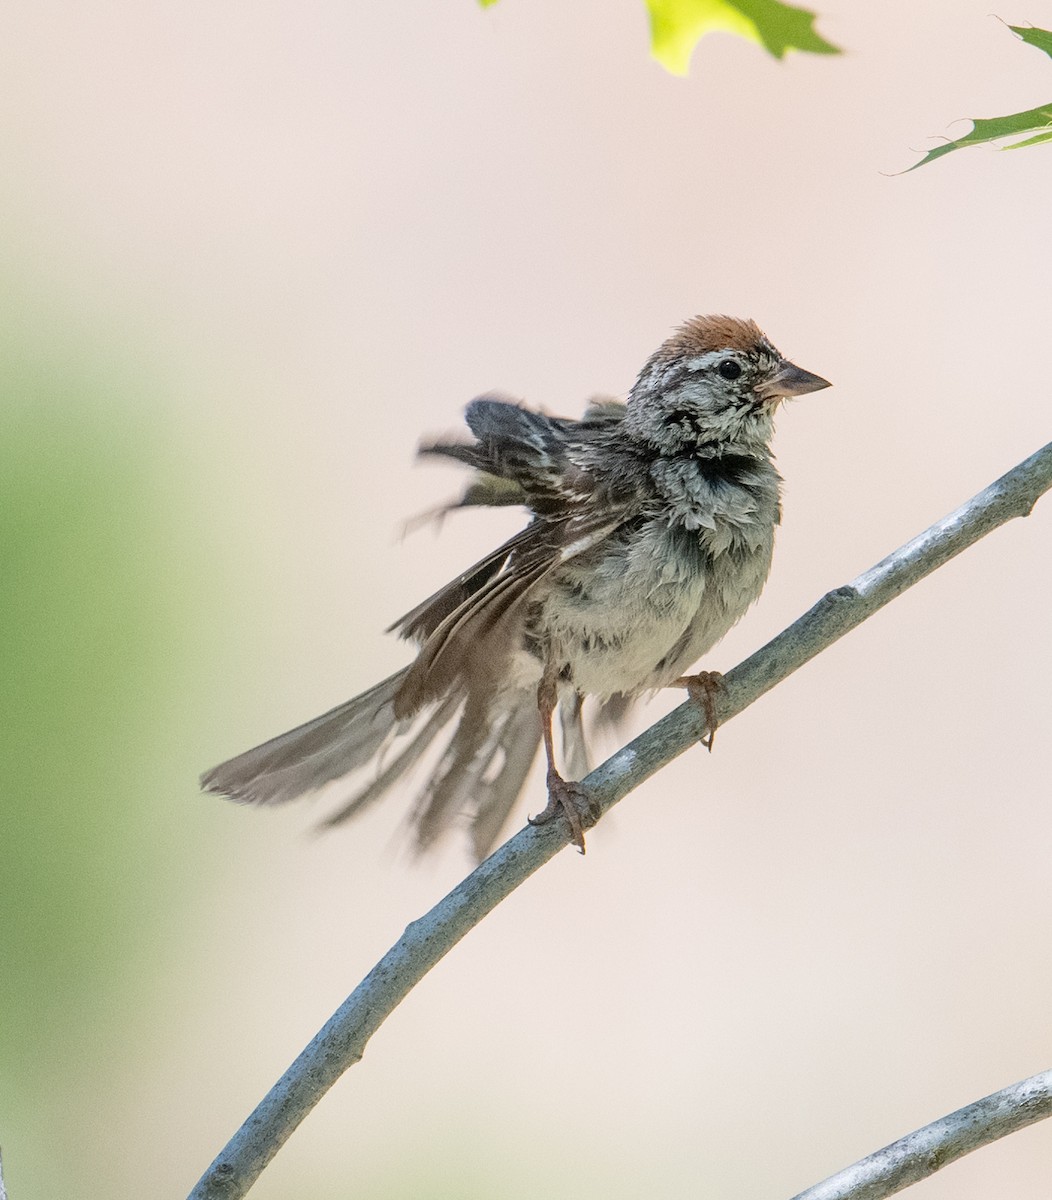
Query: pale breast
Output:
(642,614)
(611,617)
(734,582)
(642,608)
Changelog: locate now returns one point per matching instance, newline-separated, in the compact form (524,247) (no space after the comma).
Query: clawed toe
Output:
(569,799)
(704,689)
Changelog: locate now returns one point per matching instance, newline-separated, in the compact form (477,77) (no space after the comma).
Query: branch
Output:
(342,1040)
(923,1152)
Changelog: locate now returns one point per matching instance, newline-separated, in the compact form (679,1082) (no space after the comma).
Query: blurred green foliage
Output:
(86,645)
(676,27)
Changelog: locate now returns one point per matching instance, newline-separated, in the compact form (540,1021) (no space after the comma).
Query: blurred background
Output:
(251,254)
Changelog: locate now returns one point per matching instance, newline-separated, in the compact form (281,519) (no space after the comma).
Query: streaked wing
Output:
(537,467)
(477,637)
(420,622)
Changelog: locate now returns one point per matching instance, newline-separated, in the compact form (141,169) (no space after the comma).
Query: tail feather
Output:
(520,741)
(457,788)
(406,758)
(476,781)
(313,754)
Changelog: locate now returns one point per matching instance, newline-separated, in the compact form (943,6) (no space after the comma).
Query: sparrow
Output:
(651,532)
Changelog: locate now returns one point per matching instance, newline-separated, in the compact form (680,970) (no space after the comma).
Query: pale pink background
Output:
(325,227)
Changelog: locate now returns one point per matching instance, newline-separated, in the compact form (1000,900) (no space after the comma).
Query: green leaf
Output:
(993,128)
(1035,121)
(1033,141)
(1041,38)
(676,27)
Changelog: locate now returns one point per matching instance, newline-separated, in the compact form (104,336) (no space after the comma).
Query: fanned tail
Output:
(311,755)
(482,770)
(476,781)
(478,777)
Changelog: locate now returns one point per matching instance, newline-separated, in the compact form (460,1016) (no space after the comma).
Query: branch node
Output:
(846,592)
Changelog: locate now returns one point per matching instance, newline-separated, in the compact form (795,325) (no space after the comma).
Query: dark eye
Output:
(729,369)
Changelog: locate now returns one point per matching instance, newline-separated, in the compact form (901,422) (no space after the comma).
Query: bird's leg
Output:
(703,689)
(564,796)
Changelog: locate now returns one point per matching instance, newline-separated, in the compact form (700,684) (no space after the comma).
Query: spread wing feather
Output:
(473,643)
(466,632)
(422,621)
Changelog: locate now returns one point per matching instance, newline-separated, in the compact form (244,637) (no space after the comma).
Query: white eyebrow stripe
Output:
(698,362)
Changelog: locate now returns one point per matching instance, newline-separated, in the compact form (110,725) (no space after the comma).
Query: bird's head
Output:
(714,385)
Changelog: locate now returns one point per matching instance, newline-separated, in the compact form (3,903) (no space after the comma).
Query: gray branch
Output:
(925,1151)
(342,1040)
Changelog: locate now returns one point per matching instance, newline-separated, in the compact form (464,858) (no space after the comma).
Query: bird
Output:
(650,533)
